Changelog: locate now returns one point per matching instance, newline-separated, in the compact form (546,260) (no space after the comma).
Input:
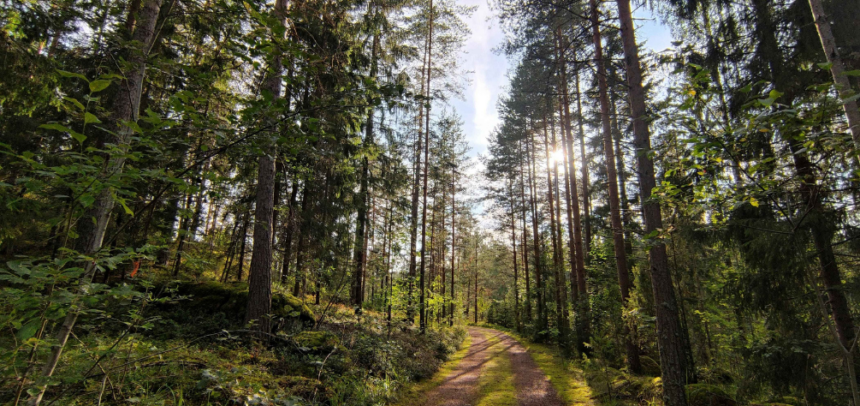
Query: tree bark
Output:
(612,179)
(260,271)
(541,311)
(668,326)
(421,307)
(360,252)
(560,281)
(837,69)
(586,195)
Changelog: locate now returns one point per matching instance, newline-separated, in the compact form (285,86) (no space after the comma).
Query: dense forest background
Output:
(220,202)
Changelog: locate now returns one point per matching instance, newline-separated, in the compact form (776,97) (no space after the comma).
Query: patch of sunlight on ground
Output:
(497,381)
(566,378)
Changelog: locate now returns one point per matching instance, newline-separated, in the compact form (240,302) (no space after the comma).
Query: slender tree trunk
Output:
(542,322)
(668,326)
(244,236)
(91,233)
(837,69)
(453,240)
(560,284)
(612,179)
(422,310)
(528,296)
(578,250)
(586,195)
(360,253)
(288,232)
(476,279)
(514,245)
(260,271)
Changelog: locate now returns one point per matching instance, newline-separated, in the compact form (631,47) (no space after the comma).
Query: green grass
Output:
(567,379)
(497,381)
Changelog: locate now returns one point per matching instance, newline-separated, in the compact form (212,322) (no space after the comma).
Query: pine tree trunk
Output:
(668,326)
(586,195)
(577,249)
(612,180)
(837,69)
(528,296)
(541,313)
(288,232)
(453,240)
(360,253)
(514,245)
(560,285)
(421,307)
(260,271)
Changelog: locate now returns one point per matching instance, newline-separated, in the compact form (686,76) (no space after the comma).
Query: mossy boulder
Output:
(320,342)
(306,388)
(230,301)
(700,394)
(650,367)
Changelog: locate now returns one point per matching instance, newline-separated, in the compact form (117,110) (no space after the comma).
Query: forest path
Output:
(496,370)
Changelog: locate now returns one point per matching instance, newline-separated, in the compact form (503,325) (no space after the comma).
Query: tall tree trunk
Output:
(421,307)
(288,232)
(360,252)
(586,195)
(453,240)
(668,326)
(541,310)
(612,180)
(514,245)
(476,279)
(528,296)
(260,271)
(560,284)
(837,69)
(91,233)
(577,249)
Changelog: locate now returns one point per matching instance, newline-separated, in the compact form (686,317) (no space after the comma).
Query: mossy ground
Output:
(496,386)
(567,379)
(411,395)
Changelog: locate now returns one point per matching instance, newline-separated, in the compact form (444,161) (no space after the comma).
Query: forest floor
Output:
(496,369)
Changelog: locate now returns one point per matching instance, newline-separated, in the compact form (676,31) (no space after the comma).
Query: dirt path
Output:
(484,376)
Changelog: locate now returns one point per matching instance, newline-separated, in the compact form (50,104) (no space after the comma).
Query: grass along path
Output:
(496,370)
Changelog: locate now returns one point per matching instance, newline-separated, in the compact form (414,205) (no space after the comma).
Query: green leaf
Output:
(90,118)
(78,136)
(75,102)
(125,206)
(28,330)
(59,127)
(68,74)
(855,72)
(825,65)
(774,94)
(87,200)
(99,85)
(754,202)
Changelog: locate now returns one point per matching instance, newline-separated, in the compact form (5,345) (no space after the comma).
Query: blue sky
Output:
(489,71)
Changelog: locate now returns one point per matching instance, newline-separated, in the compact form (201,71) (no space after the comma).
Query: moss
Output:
(317,341)
(701,394)
(650,367)
(211,298)
(306,388)
(497,380)
(567,380)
